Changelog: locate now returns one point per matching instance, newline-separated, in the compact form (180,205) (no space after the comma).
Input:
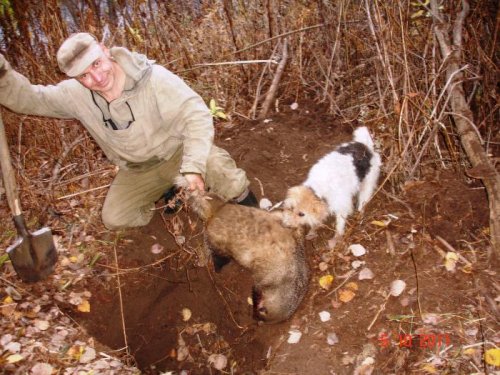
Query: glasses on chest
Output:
(109,123)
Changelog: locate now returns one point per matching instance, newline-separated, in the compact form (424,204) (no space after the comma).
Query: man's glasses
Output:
(109,122)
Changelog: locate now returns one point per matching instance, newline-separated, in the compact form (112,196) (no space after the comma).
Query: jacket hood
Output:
(134,64)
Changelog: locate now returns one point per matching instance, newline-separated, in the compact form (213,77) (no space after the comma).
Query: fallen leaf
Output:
(379,223)
(326,281)
(13,347)
(186,314)
(346,295)
(357,250)
(492,357)
(324,316)
(357,263)
(156,248)
(323,266)
(366,274)
(352,286)
(84,306)
(451,260)
(8,300)
(88,355)
(14,358)
(332,338)
(430,318)
(219,361)
(265,204)
(41,369)
(429,368)
(42,325)
(294,337)
(397,287)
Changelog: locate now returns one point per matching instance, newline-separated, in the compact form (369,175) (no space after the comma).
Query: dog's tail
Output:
(362,135)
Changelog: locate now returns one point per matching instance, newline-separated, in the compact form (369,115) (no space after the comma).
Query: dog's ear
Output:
(292,196)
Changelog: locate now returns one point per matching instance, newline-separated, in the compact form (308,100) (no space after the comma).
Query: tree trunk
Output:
(482,168)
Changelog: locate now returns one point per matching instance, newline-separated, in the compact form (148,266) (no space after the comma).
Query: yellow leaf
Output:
(451,261)
(73,259)
(326,281)
(222,115)
(470,351)
(14,358)
(429,368)
(379,223)
(8,300)
(492,357)
(84,306)
(75,352)
(418,13)
(345,295)
(352,286)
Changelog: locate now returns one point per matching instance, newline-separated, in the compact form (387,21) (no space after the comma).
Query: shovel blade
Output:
(34,256)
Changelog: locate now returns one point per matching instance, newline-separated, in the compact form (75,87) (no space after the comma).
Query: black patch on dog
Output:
(361,157)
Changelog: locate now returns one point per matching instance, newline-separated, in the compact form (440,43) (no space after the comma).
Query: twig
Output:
(58,164)
(223,299)
(416,281)
(237,62)
(84,192)
(120,297)
(382,308)
(261,186)
(280,36)
(274,85)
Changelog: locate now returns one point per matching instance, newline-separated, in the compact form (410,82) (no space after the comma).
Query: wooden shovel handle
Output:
(9,179)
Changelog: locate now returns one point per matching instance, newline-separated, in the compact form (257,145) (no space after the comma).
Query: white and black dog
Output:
(350,171)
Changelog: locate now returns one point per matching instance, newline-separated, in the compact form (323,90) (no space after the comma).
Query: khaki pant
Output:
(131,198)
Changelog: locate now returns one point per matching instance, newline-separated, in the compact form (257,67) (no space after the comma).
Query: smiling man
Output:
(146,120)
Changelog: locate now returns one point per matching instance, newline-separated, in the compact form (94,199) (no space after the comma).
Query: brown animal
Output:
(257,240)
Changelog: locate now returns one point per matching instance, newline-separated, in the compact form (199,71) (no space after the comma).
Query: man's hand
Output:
(195,182)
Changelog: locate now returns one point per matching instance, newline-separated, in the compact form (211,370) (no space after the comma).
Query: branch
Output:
(274,85)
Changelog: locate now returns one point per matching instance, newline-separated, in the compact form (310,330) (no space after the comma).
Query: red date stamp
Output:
(421,340)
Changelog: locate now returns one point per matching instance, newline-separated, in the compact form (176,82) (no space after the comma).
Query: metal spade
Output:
(33,255)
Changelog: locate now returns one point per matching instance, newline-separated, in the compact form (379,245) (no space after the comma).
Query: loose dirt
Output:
(404,232)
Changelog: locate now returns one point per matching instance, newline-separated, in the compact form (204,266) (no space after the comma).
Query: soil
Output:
(405,232)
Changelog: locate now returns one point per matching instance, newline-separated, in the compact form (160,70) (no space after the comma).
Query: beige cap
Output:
(77,53)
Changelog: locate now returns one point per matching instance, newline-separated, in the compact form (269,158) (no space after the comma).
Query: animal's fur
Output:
(350,171)
(257,240)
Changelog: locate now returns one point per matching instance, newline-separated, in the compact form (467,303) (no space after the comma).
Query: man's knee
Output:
(115,218)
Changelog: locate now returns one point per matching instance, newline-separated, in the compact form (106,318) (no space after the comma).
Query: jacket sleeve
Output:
(182,108)
(19,95)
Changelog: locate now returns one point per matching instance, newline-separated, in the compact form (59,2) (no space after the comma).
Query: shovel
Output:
(33,255)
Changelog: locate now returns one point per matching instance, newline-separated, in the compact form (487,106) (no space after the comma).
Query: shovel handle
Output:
(9,179)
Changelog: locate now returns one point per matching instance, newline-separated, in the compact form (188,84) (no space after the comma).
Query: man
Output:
(146,120)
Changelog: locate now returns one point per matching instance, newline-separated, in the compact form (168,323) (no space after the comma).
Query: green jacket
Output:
(168,113)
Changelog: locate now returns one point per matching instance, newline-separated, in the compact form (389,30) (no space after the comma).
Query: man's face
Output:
(100,75)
